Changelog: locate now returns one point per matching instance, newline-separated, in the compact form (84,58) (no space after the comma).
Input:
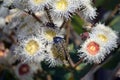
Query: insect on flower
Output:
(50,30)
(51,25)
(60,44)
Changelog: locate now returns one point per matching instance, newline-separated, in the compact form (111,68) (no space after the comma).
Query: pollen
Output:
(61,5)
(102,37)
(32,47)
(50,34)
(24,69)
(93,48)
(38,1)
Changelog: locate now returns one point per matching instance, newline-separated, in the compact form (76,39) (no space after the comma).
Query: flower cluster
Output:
(101,41)
(36,42)
(38,38)
(59,8)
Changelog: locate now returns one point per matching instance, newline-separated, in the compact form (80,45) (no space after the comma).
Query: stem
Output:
(115,72)
(79,62)
(70,61)
(112,14)
(67,41)
(30,13)
(67,57)
(68,33)
(97,66)
(69,29)
(48,14)
(114,11)
(33,14)
(63,25)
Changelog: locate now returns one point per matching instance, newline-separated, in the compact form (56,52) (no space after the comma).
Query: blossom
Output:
(101,41)
(92,51)
(21,4)
(38,5)
(64,8)
(24,71)
(50,31)
(30,47)
(87,11)
(105,35)
(29,26)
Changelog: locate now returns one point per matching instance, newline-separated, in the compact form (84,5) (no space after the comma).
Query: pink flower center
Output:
(24,69)
(93,48)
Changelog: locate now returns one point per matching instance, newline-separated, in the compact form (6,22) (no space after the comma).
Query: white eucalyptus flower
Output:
(38,5)
(105,35)
(50,31)
(24,71)
(92,51)
(30,47)
(100,43)
(21,4)
(87,11)
(64,8)
(26,29)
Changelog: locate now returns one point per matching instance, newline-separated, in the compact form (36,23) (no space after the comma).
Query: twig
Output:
(67,41)
(78,63)
(33,14)
(70,61)
(114,11)
(48,14)
(30,13)
(72,64)
(68,33)
(63,24)
(115,71)
(97,66)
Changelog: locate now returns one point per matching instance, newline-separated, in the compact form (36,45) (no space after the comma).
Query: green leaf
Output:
(77,23)
(99,2)
(110,3)
(115,23)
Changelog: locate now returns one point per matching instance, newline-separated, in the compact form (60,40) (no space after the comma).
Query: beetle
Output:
(61,46)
